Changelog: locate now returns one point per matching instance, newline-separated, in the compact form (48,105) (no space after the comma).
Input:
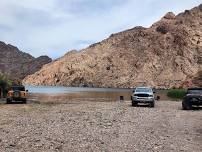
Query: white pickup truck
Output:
(143,95)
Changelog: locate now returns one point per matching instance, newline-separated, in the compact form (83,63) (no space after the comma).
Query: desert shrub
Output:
(5,83)
(176,93)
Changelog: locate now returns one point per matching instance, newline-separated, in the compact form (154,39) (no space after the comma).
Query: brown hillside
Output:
(17,64)
(164,55)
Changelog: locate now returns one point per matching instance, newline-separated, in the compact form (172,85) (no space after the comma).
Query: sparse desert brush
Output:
(5,83)
(176,93)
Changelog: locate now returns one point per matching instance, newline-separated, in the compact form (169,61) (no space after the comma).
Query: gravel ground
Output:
(99,126)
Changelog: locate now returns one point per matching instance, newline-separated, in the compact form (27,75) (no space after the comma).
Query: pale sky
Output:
(53,27)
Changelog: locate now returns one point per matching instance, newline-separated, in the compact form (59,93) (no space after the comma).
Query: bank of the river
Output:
(99,126)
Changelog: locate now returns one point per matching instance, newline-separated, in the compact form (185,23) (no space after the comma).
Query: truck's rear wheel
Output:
(134,104)
(186,105)
(152,105)
(25,101)
(8,101)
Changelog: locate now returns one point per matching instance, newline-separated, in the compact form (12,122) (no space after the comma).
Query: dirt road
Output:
(99,126)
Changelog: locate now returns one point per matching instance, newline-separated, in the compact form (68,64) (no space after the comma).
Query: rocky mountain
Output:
(17,64)
(195,81)
(167,54)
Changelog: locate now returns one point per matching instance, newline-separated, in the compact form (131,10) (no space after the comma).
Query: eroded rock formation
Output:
(164,55)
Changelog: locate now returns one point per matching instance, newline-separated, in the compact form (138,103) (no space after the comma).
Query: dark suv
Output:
(193,98)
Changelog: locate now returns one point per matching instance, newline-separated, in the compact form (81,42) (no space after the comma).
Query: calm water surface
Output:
(65,94)
(61,90)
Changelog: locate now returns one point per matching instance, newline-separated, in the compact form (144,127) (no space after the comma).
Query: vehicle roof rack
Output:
(194,88)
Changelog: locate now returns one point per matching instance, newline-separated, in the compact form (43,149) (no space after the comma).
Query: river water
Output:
(65,94)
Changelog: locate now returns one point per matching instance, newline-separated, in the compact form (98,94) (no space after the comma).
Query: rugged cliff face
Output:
(16,64)
(195,81)
(165,55)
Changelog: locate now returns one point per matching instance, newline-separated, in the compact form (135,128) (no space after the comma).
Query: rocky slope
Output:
(195,81)
(165,55)
(16,64)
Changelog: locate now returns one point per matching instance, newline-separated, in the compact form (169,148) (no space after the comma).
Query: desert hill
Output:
(16,64)
(167,54)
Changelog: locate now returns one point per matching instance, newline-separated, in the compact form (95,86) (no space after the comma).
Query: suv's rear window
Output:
(194,91)
(17,88)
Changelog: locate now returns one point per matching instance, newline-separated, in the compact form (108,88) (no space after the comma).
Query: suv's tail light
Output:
(10,93)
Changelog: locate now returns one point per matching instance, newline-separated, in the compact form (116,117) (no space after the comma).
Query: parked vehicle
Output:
(17,94)
(143,95)
(193,98)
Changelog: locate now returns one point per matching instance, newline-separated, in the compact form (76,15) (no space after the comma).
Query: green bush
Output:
(5,83)
(176,93)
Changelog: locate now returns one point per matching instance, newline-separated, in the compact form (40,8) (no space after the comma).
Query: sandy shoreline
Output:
(99,126)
